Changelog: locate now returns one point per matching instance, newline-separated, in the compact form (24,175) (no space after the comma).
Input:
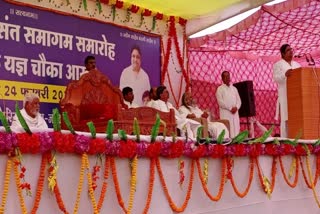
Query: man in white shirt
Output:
(152,96)
(229,103)
(135,77)
(184,125)
(281,70)
(90,64)
(191,111)
(30,112)
(128,97)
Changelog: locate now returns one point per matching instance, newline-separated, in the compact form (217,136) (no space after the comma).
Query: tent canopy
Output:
(200,15)
(295,22)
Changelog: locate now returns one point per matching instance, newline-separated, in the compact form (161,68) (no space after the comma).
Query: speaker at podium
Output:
(246,93)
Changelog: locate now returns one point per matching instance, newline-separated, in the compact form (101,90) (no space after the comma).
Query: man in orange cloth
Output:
(281,70)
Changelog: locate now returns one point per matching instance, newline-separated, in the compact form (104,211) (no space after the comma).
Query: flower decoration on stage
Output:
(182,21)
(147,12)
(256,150)
(176,149)
(134,8)
(127,149)
(64,143)
(21,176)
(8,141)
(46,141)
(119,4)
(28,143)
(153,150)
(81,144)
(52,172)
(97,145)
(181,171)
(159,16)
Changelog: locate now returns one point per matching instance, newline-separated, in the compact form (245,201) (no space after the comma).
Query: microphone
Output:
(312,62)
(308,60)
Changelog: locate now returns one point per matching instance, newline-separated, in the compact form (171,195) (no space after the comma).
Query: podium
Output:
(303,94)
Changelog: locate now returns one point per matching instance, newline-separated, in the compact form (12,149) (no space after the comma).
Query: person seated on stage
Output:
(152,96)
(90,64)
(31,114)
(186,126)
(191,111)
(128,97)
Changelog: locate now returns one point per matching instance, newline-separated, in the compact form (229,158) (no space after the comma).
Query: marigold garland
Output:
(310,178)
(181,171)
(235,188)
(133,183)
(57,193)
(116,184)
(59,199)
(105,183)
(222,182)
(6,186)
(52,172)
(205,170)
(316,176)
(91,191)
(273,173)
(80,183)
(164,186)
(295,182)
(40,183)
(21,199)
(150,188)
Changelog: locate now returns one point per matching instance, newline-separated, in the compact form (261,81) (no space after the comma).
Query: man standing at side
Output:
(229,103)
(31,114)
(281,70)
(90,63)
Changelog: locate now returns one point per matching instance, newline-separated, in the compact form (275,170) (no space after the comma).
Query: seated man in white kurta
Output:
(191,111)
(128,97)
(186,126)
(152,96)
(30,112)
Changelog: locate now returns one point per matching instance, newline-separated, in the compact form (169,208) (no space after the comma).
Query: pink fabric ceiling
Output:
(296,22)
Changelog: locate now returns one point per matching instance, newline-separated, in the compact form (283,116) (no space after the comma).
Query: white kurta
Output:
(279,76)
(38,122)
(214,128)
(185,125)
(138,81)
(228,97)
(131,105)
